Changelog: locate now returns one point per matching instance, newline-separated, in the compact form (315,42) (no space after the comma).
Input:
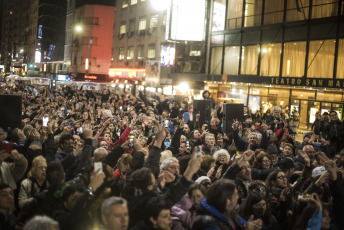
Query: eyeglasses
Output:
(259,190)
(281,177)
(334,115)
(266,161)
(69,142)
(222,156)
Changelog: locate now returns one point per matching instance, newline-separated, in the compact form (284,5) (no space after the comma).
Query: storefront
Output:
(305,100)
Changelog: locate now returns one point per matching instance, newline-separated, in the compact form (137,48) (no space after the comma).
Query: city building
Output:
(160,38)
(277,52)
(89,33)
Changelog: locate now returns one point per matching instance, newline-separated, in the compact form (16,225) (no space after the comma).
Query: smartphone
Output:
(166,123)
(198,150)
(45,121)
(131,143)
(80,131)
(8,147)
(98,165)
(188,144)
(70,123)
(186,117)
(121,107)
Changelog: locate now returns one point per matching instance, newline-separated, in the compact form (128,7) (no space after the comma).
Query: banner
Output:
(152,73)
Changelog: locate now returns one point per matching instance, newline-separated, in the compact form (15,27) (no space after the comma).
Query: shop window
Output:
(133,2)
(140,52)
(270,59)
(278,92)
(321,59)
(219,14)
(121,54)
(323,9)
(294,59)
(297,10)
(125,3)
(130,53)
(151,51)
(249,60)
(303,94)
(216,60)
(142,24)
(231,64)
(340,61)
(253,12)
(273,12)
(123,28)
(234,14)
(258,91)
(329,96)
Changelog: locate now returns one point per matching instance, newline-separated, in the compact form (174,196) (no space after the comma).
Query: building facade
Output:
(278,52)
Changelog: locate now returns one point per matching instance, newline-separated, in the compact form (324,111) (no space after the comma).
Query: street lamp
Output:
(79,29)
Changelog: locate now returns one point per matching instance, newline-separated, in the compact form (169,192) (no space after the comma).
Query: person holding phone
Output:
(12,172)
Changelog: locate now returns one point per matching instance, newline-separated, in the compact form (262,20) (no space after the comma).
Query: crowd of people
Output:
(88,159)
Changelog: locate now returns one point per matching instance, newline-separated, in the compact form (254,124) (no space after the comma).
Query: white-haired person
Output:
(114,213)
(35,183)
(169,171)
(222,158)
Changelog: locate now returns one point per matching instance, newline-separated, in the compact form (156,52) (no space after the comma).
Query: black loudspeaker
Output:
(204,108)
(11,111)
(232,111)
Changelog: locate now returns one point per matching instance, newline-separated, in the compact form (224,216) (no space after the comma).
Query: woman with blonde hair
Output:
(35,183)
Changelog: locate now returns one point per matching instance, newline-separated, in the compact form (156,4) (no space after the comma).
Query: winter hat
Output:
(201,179)
(318,171)
(272,149)
(108,113)
(286,163)
(307,134)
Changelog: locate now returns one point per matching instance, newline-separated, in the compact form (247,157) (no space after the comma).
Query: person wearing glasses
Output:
(262,167)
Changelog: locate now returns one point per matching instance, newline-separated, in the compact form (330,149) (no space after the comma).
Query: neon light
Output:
(91,77)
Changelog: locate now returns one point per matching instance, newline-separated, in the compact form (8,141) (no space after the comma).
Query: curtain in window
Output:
(273,12)
(323,9)
(294,59)
(322,65)
(297,10)
(234,14)
(270,59)
(231,64)
(253,12)
(340,61)
(216,60)
(249,60)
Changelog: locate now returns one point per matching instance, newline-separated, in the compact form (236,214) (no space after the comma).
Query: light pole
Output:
(79,28)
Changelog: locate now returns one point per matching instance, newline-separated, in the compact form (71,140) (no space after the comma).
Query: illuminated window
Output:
(321,59)
(273,12)
(123,28)
(142,24)
(340,61)
(216,60)
(249,60)
(153,21)
(164,20)
(253,12)
(231,64)
(140,52)
(323,9)
(219,14)
(121,54)
(133,2)
(297,10)
(270,59)
(234,14)
(125,3)
(294,59)
(131,51)
(151,51)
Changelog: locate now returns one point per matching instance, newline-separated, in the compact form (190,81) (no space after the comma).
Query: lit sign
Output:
(127,73)
(188,20)
(91,77)
(132,74)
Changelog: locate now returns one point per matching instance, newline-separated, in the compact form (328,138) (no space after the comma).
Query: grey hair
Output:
(208,135)
(259,136)
(221,151)
(98,150)
(41,223)
(109,202)
(166,162)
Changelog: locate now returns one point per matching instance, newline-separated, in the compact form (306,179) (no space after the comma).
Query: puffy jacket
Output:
(182,218)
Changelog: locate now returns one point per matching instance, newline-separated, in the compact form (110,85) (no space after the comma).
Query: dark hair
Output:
(183,163)
(186,104)
(207,160)
(155,206)
(71,190)
(306,214)
(258,163)
(64,138)
(246,209)
(196,186)
(3,186)
(55,173)
(141,178)
(254,184)
(219,192)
